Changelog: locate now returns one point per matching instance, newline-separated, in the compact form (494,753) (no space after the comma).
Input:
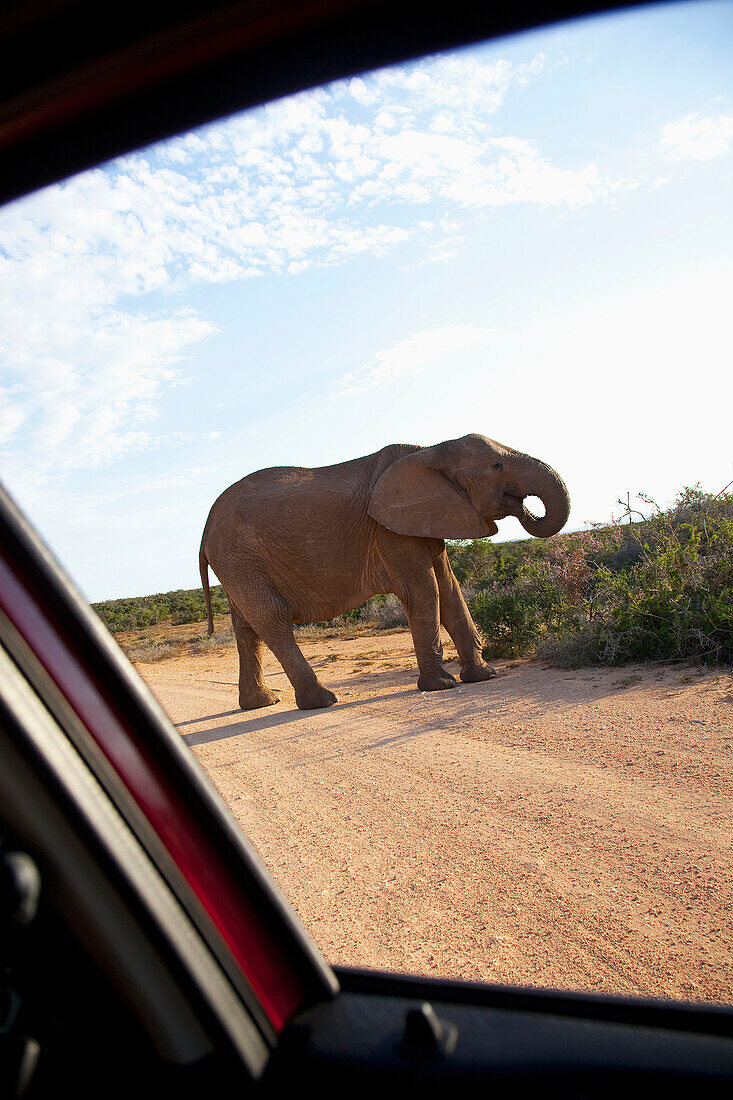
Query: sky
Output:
(531,239)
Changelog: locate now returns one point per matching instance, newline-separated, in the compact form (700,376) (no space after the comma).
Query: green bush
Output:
(657,589)
(181,606)
(510,618)
(478,562)
(677,600)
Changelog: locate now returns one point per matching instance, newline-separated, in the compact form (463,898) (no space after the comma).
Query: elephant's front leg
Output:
(416,587)
(456,618)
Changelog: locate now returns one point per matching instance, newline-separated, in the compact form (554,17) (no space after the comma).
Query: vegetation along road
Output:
(550,827)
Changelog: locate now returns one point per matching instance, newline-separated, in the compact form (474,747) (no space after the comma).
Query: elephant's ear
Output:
(414,497)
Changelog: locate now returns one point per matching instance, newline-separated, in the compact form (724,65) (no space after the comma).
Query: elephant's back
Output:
(284,505)
(309,504)
(261,488)
(288,491)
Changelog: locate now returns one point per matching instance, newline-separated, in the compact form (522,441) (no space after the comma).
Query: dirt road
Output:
(549,827)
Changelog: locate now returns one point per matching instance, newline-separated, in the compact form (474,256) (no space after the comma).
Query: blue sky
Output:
(531,239)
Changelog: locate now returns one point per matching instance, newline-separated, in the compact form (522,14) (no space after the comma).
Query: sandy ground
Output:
(547,828)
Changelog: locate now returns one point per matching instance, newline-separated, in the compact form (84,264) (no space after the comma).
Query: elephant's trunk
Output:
(537,479)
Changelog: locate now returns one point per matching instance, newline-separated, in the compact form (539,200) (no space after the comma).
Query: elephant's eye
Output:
(498,465)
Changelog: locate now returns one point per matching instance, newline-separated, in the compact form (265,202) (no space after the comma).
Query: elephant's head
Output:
(457,489)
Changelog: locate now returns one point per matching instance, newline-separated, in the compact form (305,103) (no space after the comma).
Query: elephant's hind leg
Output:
(253,691)
(269,620)
(310,694)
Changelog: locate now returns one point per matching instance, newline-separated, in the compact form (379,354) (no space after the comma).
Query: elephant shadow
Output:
(271,719)
(526,686)
(377,680)
(537,689)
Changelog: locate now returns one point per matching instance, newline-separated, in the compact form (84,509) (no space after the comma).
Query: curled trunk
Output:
(537,479)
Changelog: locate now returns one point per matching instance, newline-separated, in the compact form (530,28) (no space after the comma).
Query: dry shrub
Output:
(220,639)
(386,612)
(159,649)
(149,652)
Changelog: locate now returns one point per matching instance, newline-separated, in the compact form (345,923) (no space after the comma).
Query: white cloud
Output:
(418,353)
(459,83)
(286,183)
(94,400)
(697,138)
(312,180)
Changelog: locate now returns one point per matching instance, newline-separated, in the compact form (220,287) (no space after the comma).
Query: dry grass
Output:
(158,643)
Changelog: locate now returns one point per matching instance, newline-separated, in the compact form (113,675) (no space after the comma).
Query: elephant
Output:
(296,545)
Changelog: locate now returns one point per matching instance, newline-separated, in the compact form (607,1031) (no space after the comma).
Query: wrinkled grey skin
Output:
(295,545)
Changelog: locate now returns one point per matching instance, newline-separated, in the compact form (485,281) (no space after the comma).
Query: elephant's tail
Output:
(204,570)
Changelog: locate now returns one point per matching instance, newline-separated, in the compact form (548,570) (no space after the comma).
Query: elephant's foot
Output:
(436,681)
(315,697)
(475,673)
(253,700)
